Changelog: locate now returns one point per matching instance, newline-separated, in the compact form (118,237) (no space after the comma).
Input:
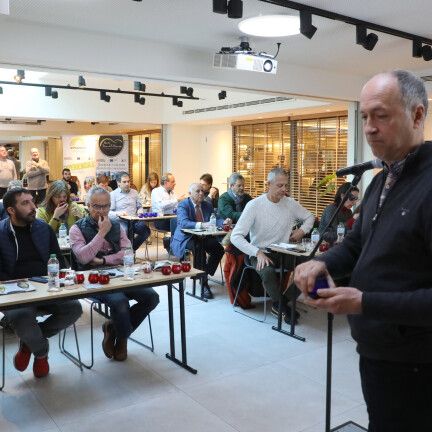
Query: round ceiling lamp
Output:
(271,25)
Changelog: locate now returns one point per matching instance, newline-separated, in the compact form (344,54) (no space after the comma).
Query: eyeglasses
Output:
(353,197)
(101,207)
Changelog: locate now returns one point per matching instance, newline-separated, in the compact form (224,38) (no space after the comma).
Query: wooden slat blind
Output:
(310,148)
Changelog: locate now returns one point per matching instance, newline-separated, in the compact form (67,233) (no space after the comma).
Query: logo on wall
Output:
(111,145)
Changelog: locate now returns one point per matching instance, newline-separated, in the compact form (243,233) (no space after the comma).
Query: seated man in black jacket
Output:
(25,246)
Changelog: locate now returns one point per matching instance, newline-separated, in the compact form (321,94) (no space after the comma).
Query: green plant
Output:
(327,185)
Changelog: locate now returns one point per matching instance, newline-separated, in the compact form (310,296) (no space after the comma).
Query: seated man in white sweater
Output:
(268,219)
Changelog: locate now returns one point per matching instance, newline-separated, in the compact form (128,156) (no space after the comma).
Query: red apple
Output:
(166,270)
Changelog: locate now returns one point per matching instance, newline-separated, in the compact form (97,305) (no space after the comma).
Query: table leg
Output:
(202,261)
(183,362)
(278,328)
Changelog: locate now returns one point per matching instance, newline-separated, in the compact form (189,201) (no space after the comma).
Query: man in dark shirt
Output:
(25,246)
(73,187)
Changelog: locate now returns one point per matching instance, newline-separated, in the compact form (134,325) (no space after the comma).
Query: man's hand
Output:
(212,193)
(341,300)
(262,260)
(306,273)
(296,235)
(60,210)
(227,221)
(104,225)
(121,213)
(96,262)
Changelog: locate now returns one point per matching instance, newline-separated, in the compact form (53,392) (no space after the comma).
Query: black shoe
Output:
(207,294)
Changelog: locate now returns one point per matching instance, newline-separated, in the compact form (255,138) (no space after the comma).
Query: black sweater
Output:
(390,255)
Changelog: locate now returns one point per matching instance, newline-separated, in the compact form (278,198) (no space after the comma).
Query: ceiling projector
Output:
(243,58)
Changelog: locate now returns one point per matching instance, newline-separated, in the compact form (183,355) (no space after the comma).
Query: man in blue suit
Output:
(195,213)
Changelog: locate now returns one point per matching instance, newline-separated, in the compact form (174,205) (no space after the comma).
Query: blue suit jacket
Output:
(186,219)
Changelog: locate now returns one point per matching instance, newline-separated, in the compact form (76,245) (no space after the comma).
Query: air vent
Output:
(427,78)
(238,105)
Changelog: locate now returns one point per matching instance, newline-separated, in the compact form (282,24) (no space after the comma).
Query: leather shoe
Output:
(109,339)
(207,294)
(120,350)
(22,357)
(40,367)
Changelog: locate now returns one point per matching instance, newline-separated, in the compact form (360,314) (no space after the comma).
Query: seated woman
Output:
(103,182)
(146,190)
(89,182)
(57,208)
(344,215)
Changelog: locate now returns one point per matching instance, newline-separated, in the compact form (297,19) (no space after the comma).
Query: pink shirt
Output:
(84,253)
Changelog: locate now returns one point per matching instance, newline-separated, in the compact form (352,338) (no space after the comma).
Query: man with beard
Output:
(37,170)
(26,244)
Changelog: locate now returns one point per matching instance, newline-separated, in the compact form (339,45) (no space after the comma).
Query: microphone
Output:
(360,168)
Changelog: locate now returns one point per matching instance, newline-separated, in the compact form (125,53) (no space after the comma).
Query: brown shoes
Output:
(120,350)
(108,343)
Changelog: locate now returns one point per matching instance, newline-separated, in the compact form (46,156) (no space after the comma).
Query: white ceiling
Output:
(191,23)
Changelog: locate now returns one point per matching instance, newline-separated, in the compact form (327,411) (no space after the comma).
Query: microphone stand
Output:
(354,183)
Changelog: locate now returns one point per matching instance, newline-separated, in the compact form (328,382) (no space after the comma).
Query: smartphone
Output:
(320,283)
(39,279)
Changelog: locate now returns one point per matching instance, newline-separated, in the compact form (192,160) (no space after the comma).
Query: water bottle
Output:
(315,237)
(53,274)
(340,232)
(212,223)
(128,262)
(62,235)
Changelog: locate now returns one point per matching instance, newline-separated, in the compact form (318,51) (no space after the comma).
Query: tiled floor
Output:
(250,378)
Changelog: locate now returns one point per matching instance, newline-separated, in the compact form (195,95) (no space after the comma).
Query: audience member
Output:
(7,171)
(147,188)
(12,184)
(73,187)
(37,171)
(103,181)
(89,182)
(270,219)
(211,193)
(17,163)
(97,240)
(25,247)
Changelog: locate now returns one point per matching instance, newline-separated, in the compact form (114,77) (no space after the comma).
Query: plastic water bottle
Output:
(340,232)
(62,235)
(212,223)
(53,274)
(128,262)
(315,237)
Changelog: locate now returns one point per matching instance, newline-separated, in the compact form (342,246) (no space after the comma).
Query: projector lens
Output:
(268,66)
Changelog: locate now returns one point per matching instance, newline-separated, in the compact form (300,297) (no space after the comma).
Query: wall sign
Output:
(111,145)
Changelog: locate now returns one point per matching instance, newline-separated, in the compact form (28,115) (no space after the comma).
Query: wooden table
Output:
(283,252)
(42,296)
(200,235)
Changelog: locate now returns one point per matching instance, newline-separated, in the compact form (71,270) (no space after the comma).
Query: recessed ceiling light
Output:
(271,25)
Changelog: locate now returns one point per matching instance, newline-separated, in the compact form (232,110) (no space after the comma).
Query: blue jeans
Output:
(126,318)
(141,233)
(35,335)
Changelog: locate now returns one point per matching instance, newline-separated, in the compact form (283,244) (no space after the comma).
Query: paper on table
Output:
(10,288)
(287,245)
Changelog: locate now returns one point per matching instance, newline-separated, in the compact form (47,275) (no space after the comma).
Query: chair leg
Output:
(3,359)
(74,359)
(149,347)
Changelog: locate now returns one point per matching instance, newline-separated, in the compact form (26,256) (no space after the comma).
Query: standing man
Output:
(388,254)
(232,203)
(7,171)
(37,170)
(72,186)
(17,163)
(270,219)
(25,247)
(96,241)
(195,212)
(125,202)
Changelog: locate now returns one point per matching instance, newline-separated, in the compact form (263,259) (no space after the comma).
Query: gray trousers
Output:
(35,335)
(271,279)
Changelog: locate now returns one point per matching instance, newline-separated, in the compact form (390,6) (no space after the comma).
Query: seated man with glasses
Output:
(192,213)
(344,215)
(96,240)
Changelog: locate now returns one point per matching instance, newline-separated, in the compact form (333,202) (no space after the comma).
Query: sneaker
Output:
(40,367)
(109,339)
(207,294)
(22,357)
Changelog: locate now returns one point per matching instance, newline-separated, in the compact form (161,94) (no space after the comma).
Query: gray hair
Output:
(165,178)
(412,90)
(96,190)
(193,186)
(234,177)
(275,172)
(15,184)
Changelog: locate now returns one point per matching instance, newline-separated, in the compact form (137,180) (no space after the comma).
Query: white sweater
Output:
(268,222)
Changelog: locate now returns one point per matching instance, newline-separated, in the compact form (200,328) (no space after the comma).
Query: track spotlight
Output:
(81,81)
(220,6)
(139,86)
(20,75)
(139,99)
(367,41)
(235,9)
(50,92)
(420,50)
(177,102)
(306,27)
(104,96)
(187,91)
(222,95)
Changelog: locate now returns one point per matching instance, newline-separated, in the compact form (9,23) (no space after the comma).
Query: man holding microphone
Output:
(389,256)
